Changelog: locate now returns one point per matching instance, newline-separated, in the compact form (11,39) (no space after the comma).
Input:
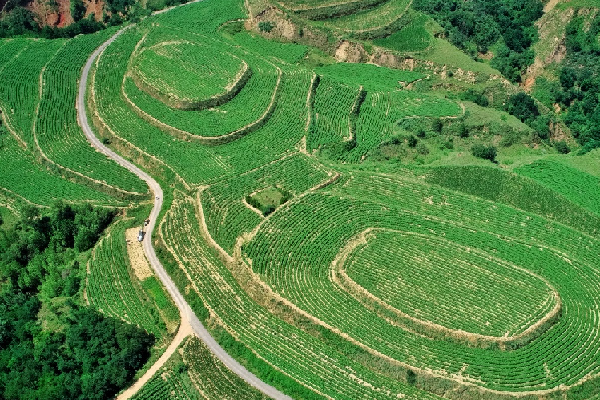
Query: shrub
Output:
(266,26)
(412,141)
(422,149)
(485,152)
(437,125)
(562,147)
(522,106)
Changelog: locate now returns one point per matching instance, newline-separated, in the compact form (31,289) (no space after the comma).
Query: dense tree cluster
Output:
(52,347)
(476,25)
(578,90)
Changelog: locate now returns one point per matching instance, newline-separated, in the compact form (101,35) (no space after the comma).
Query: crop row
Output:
(332,108)
(320,224)
(299,355)
(248,106)
(24,177)
(196,162)
(56,127)
(575,185)
(113,289)
(434,280)
(212,376)
(19,86)
(171,382)
(370,19)
(171,73)
(228,217)
(381,111)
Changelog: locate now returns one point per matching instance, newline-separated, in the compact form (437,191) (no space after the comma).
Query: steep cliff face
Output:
(58,13)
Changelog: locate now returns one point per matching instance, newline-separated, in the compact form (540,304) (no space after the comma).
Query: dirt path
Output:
(187,315)
(184,331)
(550,5)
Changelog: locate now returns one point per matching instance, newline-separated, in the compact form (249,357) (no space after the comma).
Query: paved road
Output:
(186,312)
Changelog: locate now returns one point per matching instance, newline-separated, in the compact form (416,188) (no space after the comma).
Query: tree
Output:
(522,106)
(484,152)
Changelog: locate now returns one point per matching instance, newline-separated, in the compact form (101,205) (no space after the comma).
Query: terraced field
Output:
(117,290)
(361,284)
(357,282)
(193,372)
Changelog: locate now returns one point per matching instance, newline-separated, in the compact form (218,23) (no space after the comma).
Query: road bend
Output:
(186,312)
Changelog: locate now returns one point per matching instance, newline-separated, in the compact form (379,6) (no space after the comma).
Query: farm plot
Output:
(20,86)
(327,9)
(193,372)
(249,106)
(228,216)
(56,130)
(577,186)
(378,17)
(115,290)
(370,76)
(22,177)
(320,224)
(171,382)
(426,277)
(332,109)
(380,112)
(189,76)
(294,352)
(195,162)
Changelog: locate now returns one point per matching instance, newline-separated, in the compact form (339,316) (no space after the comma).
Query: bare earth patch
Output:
(138,260)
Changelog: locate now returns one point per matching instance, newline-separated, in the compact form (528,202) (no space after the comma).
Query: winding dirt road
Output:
(187,315)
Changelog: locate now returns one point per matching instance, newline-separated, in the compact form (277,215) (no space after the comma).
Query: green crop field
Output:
(325,271)
(370,19)
(195,373)
(114,289)
(443,290)
(170,72)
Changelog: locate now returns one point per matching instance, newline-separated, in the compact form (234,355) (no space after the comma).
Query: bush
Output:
(412,141)
(437,125)
(522,106)
(484,152)
(562,147)
(422,149)
(266,26)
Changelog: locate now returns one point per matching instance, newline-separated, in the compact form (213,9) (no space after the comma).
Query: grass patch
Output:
(267,200)
(413,37)
(370,76)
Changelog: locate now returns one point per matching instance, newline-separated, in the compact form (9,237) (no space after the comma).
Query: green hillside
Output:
(362,199)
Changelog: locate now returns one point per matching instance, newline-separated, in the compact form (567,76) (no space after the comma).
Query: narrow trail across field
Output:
(187,315)
(184,331)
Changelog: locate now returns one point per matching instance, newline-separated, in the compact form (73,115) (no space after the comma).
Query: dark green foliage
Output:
(266,26)
(77,10)
(522,106)
(478,24)
(484,152)
(51,347)
(509,137)
(562,147)
(437,125)
(412,141)
(120,6)
(579,91)
(422,149)
(268,208)
(18,22)
(476,97)
(463,131)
